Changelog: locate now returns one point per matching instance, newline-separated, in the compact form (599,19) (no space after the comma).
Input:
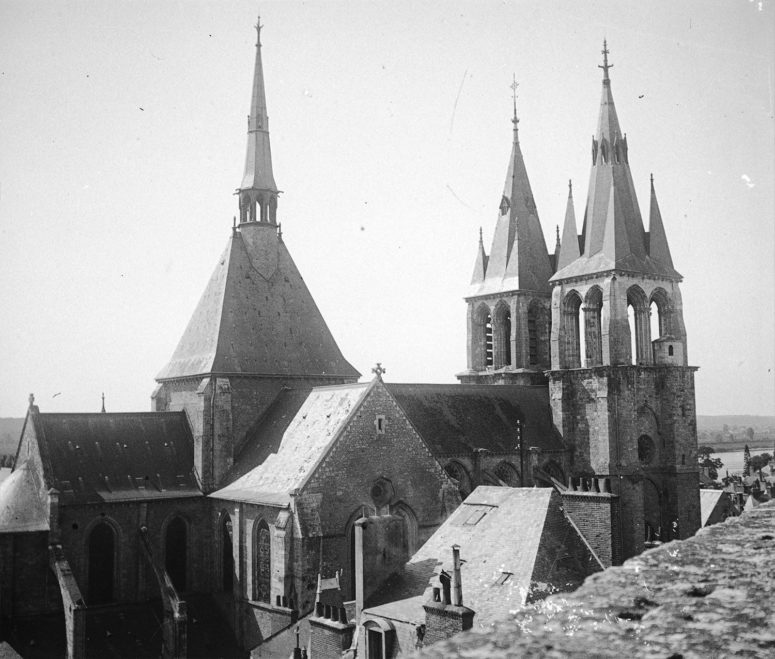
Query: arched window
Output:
(533,334)
(507,473)
(593,327)
(176,552)
(410,527)
(227,554)
(488,351)
(459,473)
(502,336)
(102,556)
(262,568)
(639,324)
(661,321)
(571,339)
(482,339)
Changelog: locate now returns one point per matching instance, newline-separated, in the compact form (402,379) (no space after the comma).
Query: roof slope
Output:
(454,419)
(304,444)
(257,317)
(22,504)
(614,237)
(518,257)
(710,500)
(506,537)
(112,457)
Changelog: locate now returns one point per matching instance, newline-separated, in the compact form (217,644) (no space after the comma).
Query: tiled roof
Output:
(503,537)
(304,443)
(110,457)
(257,317)
(454,419)
(23,506)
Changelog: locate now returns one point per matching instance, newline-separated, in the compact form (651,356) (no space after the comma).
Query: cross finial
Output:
(652,179)
(570,187)
(258,27)
(513,86)
(605,66)
(103,402)
(32,399)
(378,370)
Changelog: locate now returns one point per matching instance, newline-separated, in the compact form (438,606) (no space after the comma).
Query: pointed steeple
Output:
(518,258)
(614,236)
(480,267)
(658,247)
(258,192)
(569,247)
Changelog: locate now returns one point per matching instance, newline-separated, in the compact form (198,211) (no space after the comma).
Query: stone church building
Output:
(246,482)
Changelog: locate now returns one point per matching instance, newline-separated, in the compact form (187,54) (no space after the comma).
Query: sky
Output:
(122,139)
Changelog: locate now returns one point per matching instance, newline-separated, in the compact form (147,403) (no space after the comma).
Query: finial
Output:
(103,402)
(32,399)
(481,236)
(570,188)
(557,231)
(651,176)
(605,66)
(514,86)
(258,27)
(378,370)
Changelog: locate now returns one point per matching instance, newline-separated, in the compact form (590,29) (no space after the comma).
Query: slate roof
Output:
(257,317)
(23,502)
(305,442)
(454,419)
(518,257)
(614,237)
(114,457)
(501,534)
(709,499)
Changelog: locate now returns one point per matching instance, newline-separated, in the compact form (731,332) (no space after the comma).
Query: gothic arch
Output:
(262,561)
(507,473)
(640,325)
(457,471)
(501,331)
(654,524)
(538,333)
(661,300)
(405,511)
(593,327)
(570,345)
(552,469)
(103,545)
(175,532)
(482,338)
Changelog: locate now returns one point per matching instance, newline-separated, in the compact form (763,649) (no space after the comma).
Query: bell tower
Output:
(621,390)
(509,297)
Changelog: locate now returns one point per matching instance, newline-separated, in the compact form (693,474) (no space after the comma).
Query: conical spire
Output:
(658,247)
(480,267)
(613,232)
(518,258)
(569,246)
(258,192)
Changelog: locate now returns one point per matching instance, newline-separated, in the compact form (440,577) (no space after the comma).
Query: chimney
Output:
(457,586)
(445,618)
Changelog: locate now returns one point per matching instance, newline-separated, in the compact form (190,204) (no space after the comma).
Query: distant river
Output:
(733,460)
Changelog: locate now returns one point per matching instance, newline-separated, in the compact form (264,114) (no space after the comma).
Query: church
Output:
(267,467)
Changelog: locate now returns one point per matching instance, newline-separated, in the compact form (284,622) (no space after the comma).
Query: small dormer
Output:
(668,350)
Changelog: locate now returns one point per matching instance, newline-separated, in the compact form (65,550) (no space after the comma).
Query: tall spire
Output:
(613,232)
(658,247)
(480,266)
(258,192)
(518,258)
(569,246)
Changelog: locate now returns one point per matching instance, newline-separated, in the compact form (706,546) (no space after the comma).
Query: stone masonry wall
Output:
(708,596)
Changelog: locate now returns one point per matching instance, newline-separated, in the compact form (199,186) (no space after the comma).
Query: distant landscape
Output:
(722,432)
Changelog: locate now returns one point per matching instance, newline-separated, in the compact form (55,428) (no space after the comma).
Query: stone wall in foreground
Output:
(709,596)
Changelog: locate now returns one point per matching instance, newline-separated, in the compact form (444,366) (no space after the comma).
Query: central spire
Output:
(258,192)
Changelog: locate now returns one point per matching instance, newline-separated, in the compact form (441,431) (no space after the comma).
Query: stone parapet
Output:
(708,596)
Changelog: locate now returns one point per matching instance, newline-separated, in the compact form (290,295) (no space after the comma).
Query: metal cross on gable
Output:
(378,370)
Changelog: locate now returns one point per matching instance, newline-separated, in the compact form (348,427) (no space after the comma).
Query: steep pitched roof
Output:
(614,237)
(516,546)
(569,246)
(116,457)
(305,442)
(518,257)
(23,506)
(659,250)
(454,419)
(257,317)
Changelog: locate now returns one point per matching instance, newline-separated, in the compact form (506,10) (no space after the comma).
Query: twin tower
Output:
(600,321)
